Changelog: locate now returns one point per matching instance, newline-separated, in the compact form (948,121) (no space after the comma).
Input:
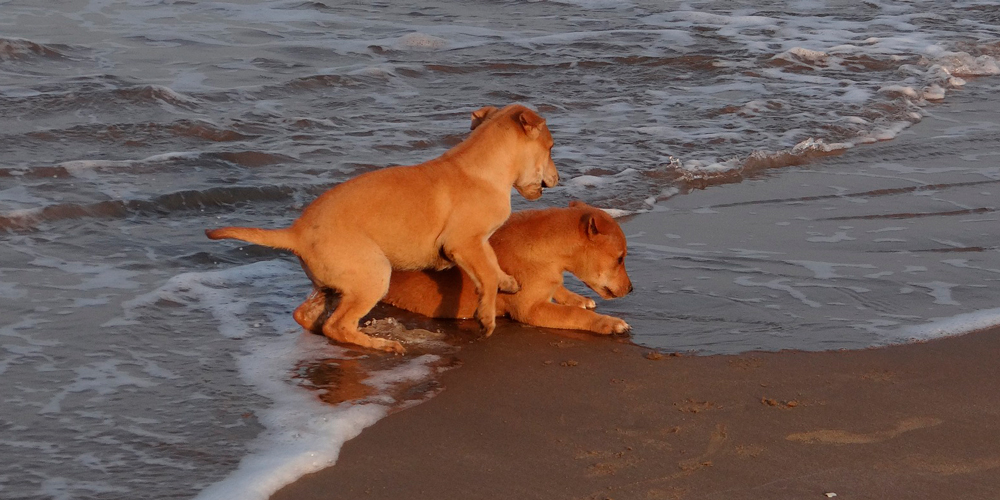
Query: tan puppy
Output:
(433,215)
(536,247)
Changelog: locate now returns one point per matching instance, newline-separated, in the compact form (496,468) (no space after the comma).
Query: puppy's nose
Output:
(629,288)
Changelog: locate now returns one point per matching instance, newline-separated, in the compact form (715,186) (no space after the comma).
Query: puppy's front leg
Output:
(477,259)
(567,298)
(549,315)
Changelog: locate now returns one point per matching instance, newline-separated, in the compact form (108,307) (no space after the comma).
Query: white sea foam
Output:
(101,378)
(827,270)
(420,41)
(85,168)
(618,213)
(580,184)
(941,292)
(302,434)
(780,285)
(945,327)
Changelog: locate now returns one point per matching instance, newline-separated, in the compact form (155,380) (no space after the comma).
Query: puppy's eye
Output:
(621,260)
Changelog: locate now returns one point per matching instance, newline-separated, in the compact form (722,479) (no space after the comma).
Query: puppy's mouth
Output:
(607,292)
(531,191)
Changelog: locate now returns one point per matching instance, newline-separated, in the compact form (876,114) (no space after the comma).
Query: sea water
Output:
(139,359)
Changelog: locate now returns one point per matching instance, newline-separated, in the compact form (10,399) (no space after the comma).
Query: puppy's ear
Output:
(531,123)
(481,115)
(589,226)
(577,203)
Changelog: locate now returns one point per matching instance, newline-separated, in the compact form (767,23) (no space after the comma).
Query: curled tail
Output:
(275,238)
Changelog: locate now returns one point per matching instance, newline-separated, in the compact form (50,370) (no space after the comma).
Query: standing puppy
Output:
(433,215)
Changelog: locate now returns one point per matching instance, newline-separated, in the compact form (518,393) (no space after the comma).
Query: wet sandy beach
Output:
(533,415)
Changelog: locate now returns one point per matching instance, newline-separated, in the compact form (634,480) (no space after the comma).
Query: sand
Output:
(536,415)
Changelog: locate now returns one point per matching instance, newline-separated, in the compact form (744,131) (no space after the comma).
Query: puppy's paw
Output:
(508,284)
(388,346)
(486,326)
(610,325)
(586,303)
(308,314)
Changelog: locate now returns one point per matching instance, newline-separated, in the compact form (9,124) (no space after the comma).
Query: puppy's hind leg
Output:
(360,290)
(314,311)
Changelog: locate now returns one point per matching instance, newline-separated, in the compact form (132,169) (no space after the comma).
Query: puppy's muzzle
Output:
(612,293)
(548,184)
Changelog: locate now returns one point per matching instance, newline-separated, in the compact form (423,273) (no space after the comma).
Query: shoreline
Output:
(535,415)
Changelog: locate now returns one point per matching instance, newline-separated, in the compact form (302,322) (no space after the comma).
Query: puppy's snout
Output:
(548,183)
(630,288)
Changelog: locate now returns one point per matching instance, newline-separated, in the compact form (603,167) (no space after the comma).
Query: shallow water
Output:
(887,243)
(140,359)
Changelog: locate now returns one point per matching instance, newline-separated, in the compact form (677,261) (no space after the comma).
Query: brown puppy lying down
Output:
(433,215)
(536,247)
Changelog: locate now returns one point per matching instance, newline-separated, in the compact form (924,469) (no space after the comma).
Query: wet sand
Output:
(536,415)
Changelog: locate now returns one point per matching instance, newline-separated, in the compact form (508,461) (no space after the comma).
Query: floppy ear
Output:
(588,224)
(531,123)
(480,115)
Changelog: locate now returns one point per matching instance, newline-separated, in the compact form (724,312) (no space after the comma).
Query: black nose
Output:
(630,288)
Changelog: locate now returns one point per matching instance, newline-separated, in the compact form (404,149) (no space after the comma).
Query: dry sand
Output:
(533,415)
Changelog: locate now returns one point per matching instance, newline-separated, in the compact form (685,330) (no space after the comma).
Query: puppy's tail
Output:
(275,238)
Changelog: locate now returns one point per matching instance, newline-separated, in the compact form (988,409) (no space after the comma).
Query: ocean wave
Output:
(19,48)
(93,92)
(139,134)
(938,71)
(141,94)
(26,219)
(701,174)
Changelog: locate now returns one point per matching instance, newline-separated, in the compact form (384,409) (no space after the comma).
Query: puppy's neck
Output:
(490,153)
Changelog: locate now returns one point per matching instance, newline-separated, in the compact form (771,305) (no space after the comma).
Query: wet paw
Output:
(486,325)
(609,325)
(309,312)
(388,346)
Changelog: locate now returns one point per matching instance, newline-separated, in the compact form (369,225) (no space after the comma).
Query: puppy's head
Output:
(601,261)
(537,171)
